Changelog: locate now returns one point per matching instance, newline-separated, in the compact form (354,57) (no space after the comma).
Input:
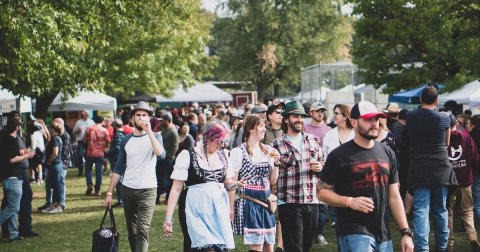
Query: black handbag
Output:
(105,239)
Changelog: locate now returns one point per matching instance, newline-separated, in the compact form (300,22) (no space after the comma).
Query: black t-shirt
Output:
(9,149)
(355,171)
(429,164)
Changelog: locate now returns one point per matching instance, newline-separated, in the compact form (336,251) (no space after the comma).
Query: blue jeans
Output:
(363,243)
(98,161)
(56,182)
(49,189)
(421,223)
(81,157)
(322,217)
(13,188)
(476,196)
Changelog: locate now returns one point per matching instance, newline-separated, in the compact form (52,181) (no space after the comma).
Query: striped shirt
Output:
(296,182)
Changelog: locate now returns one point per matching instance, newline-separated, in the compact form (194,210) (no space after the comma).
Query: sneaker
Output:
(47,210)
(18,238)
(278,249)
(56,210)
(28,234)
(89,190)
(97,193)
(333,224)
(43,207)
(320,240)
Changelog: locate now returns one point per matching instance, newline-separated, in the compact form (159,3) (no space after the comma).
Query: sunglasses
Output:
(278,111)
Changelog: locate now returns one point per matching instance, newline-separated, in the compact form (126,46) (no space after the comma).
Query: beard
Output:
(370,134)
(138,127)
(297,126)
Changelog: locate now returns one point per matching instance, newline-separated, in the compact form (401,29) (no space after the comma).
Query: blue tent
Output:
(411,96)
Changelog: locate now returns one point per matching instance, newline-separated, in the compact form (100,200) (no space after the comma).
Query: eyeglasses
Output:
(338,113)
(278,111)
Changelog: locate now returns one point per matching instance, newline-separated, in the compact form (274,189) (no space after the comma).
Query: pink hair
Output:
(214,131)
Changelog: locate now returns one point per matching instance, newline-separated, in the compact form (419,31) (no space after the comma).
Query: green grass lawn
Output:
(72,230)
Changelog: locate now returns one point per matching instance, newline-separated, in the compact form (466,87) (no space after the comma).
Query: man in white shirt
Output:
(137,160)
(79,130)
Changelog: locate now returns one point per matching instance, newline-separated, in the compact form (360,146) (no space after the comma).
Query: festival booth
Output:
(410,99)
(9,102)
(372,94)
(85,100)
(468,95)
(199,93)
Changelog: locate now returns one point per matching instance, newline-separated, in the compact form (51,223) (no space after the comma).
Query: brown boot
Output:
(475,246)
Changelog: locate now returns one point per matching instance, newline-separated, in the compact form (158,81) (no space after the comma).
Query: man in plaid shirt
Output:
(300,164)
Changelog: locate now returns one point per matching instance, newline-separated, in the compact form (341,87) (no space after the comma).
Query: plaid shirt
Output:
(296,182)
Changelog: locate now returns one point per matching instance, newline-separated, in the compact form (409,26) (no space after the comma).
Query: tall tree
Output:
(406,43)
(268,42)
(119,47)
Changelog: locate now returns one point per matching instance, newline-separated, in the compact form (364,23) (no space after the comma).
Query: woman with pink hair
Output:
(205,207)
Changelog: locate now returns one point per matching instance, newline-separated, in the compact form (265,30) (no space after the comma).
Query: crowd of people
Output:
(227,168)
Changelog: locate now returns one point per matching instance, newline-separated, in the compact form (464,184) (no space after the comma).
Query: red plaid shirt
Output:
(296,182)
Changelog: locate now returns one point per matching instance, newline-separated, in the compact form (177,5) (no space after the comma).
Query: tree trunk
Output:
(261,91)
(43,103)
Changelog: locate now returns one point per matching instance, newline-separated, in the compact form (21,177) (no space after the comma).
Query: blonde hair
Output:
(383,123)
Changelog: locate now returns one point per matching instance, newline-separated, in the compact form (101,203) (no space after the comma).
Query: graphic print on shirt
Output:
(370,174)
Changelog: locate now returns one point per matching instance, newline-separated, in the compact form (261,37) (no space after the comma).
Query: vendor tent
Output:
(8,102)
(318,94)
(411,96)
(84,100)
(468,95)
(199,93)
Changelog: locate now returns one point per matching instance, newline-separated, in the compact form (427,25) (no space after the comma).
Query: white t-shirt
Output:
(83,125)
(36,140)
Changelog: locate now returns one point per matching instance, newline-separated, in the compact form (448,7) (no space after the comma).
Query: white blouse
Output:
(331,140)
(182,163)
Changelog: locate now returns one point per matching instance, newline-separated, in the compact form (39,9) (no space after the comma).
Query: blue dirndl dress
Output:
(207,208)
(251,220)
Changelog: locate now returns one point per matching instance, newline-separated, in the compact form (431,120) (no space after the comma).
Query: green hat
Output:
(294,108)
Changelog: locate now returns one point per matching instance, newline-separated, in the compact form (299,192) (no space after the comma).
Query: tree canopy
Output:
(407,43)
(115,46)
(268,42)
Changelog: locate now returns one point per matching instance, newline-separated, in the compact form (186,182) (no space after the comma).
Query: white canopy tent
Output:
(318,94)
(84,100)
(8,102)
(467,95)
(199,93)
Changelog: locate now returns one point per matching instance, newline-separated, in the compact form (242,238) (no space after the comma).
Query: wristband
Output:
(109,194)
(169,220)
(349,202)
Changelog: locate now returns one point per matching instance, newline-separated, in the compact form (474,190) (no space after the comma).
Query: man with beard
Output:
(364,174)
(165,166)
(299,167)
(136,161)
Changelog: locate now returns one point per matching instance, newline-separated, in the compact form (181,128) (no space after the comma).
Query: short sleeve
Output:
(236,159)
(180,169)
(330,170)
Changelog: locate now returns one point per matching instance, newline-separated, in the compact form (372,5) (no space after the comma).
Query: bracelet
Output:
(349,202)
(169,220)
(109,194)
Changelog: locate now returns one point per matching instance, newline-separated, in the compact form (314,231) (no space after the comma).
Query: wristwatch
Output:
(406,231)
